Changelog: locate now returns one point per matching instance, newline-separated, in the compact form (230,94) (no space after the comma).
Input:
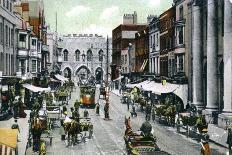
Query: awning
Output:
(61,78)
(158,88)
(8,137)
(119,78)
(35,89)
(53,80)
(139,85)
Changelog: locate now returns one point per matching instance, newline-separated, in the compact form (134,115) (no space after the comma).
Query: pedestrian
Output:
(127,102)
(97,108)
(15,125)
(16,107)
(229,139)
(148,111)
(86,113)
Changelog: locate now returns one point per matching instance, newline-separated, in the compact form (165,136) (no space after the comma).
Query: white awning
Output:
(53,80)
(139,85)
(158,88)
(35,89)
(61,78)
(119,78)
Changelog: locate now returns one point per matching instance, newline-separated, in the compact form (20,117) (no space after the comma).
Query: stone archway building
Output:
(83,54)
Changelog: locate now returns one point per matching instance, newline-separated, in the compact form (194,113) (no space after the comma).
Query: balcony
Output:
(22,53)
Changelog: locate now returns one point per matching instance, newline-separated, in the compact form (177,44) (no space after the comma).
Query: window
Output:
(77,55)
(65,55)
(180,63)
(6,34)
(33,66)
(9,37)
(125,59)
(22,40)
(151,41)
(181,16)
(100,53)
(1,33)
(4,3)
(33,43)
(180,35)
(157,41)
(7,4)
(12,37)
(38,66)
(89,55)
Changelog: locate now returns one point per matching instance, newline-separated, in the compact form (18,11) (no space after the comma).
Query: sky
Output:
(98,16)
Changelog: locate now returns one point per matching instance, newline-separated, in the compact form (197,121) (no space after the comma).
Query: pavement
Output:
(23,135)
(217,135)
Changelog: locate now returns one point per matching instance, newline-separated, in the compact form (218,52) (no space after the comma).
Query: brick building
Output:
(167,42)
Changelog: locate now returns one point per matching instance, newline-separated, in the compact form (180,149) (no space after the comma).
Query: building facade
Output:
(9,23)
(154,47)
(83,56)
(32,49)
(211,58)
(122,36)
(167,42)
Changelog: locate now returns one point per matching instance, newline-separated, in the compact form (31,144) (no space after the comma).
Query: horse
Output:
(71,131)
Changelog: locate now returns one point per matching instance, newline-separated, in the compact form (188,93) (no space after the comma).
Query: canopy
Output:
(53,80)
(119,78)
(158,88)
(61,78)
(35,89)
(8,137)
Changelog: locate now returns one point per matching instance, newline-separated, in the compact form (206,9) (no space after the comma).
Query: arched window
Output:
(89,55)
(100,53)
(77,52)
(65,55)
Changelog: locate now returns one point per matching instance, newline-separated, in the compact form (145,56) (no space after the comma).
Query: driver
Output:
(146,129)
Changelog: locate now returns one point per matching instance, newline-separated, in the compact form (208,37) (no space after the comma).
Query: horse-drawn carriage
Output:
(141,142)
(77,129)
(194,121)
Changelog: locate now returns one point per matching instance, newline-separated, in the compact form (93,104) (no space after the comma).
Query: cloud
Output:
(97,29)
(109,13)
(154,3)
(77,10)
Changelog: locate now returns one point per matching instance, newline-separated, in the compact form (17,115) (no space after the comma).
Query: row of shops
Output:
(11,87)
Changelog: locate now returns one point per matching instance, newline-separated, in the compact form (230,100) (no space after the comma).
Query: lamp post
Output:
(106,107)
(129,59)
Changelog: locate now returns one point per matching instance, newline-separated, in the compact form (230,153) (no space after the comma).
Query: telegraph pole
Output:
(106,108)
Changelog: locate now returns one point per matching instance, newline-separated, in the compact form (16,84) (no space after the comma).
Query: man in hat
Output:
(16,107)
(15,125)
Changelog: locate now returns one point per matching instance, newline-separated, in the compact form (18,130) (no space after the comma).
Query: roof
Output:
(25,6)
(8,137)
